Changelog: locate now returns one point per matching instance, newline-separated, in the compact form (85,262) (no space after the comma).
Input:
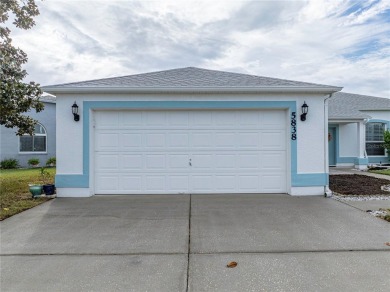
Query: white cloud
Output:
(341,43)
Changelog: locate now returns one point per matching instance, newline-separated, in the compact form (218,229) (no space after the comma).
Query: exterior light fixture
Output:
(305,110)
(75,112)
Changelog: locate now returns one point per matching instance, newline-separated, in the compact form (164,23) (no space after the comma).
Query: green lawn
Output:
(386,171)
(15,196)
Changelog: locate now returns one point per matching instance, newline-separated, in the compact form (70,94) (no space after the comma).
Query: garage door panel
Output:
(155,161)
(273,161)
(133,120)
(202,183)
(178,183)
(154,183)
(273,119)
(249,119)
(248,140)
(226,183)
(107,162)
(225,118)
(225,162)
(225,140)
(132,162)
(178,119)
(105,141)
(202,161)
(202,119)
(131,141)
(178,140)
(155,140)
(201,139)
(273,183)
(178,161)
(248,161)
(131,183)
(272,140)
(248,183)
(190,152)
(106,119)
(106,183)
(155,118)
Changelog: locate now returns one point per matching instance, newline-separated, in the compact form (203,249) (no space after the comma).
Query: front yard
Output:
(385,171)
(14,191)
(355,187)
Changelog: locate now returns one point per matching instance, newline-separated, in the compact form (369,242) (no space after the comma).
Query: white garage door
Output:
(170,152)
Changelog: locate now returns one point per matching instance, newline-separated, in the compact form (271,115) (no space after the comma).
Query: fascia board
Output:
(350,120)
(278,89)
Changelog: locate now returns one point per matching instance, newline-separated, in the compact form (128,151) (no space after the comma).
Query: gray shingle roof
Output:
(345,105)
(49,98)
(189,77)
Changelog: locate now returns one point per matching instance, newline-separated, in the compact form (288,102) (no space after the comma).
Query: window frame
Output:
(386,127)
(32,136)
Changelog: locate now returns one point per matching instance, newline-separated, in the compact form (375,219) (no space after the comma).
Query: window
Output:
(34,143)
(375,139)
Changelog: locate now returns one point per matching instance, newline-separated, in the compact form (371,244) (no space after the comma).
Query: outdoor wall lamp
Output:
(305,109)
(75,112)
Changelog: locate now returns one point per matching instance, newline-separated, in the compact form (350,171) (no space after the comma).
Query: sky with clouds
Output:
(343,43)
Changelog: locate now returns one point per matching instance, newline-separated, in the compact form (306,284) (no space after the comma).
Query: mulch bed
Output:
(355,184)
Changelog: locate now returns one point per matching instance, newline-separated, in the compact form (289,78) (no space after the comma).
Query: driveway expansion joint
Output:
(200,253)
(189,245)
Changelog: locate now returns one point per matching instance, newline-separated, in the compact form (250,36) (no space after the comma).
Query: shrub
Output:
(386,135)
(33,162)
(45,176)
(9,163)
(51,161)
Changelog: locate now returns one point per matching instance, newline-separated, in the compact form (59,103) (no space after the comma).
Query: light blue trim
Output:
(83,180)
(346,159)
(72,181)
(312,179)
(361,161)
(378,159)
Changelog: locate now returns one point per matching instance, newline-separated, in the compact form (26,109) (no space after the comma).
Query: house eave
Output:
(277,89)
(347,120)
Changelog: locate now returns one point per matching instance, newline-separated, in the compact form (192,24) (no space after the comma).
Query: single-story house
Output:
(191,130)
(356,127)
(41,145)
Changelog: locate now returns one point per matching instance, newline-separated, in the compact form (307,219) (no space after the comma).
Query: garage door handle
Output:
(190,163)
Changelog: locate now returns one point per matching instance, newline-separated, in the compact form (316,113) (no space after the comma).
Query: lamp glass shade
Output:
(75,108)
(305,108)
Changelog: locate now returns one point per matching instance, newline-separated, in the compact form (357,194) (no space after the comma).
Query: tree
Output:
(386,143)
(17,97)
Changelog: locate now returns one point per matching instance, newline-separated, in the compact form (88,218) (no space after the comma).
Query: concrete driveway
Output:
(183,243)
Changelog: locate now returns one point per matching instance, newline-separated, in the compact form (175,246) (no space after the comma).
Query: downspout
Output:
(327,192)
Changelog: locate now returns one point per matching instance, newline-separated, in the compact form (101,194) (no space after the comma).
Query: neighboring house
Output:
(356,127)
(41,145)
(191,130)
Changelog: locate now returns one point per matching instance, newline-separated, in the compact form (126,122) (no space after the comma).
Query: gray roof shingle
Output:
(345,105)
(189,77)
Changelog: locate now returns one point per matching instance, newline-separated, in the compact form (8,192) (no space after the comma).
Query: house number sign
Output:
(293,126)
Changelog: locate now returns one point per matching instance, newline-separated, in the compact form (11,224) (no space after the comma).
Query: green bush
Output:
(33,162)
(51,161)
(9,163)
(386,136)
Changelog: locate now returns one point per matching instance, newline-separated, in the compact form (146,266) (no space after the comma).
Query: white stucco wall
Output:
(69,137)
(311,141)
(348,140)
